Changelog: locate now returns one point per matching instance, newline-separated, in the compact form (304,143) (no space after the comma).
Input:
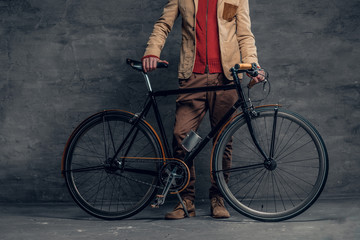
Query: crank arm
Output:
(160,199)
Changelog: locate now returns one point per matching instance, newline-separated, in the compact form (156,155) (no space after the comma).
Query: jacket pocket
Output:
(229,11)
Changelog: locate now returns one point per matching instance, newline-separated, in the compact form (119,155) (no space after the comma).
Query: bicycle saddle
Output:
(137,65)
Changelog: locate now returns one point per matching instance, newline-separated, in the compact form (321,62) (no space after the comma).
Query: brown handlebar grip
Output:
(245,66)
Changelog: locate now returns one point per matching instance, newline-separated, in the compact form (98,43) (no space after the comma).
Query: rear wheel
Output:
(112,188)
(277,188)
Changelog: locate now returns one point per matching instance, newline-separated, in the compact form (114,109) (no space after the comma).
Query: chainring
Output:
(182,174)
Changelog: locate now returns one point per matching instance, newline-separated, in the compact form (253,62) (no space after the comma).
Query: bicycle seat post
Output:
(147,81)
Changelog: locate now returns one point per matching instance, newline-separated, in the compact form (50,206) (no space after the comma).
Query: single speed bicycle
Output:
(115,163)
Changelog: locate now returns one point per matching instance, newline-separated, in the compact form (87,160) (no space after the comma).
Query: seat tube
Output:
(161,126)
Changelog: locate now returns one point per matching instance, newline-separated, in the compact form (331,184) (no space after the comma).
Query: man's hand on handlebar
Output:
(150,63)
(259,78)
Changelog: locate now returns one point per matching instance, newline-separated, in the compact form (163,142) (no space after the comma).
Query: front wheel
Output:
(279,187)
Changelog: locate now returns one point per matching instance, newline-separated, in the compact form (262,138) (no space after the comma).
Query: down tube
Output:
(212,133)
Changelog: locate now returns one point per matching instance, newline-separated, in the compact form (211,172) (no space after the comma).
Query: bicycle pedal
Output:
(158,201)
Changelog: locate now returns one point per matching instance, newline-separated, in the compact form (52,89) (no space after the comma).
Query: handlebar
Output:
(251,69)
(245,66)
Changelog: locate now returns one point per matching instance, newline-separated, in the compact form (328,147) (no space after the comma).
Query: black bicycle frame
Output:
(151,102)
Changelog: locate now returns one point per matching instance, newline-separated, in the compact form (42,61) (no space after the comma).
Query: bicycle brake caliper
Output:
(252,111)
(133,119)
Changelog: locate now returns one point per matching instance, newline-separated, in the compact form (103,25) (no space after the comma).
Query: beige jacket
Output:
(236,39)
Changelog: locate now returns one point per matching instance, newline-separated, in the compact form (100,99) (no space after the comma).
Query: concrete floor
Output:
(326,219)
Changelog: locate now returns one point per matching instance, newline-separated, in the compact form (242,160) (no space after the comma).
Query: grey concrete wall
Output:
(61,61)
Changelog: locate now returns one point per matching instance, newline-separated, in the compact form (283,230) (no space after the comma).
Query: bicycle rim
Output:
(288,186)
(104,189)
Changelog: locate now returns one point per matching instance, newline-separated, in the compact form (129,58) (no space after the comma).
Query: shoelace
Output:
(218,201)
(179,206)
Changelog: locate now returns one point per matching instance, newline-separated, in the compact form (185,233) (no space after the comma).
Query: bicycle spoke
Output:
(267,148)
(301,160)
(93,148)
(278,189)
(95,186)
(273,189)
(243,168)
(287,143)
(251,148)
(248,182)
(256,182)
(257,188)
(236,183)
(278,141)
(99,156)
(291,179)
(88,177)
(282,157)
(104,138)
(86,169)
(289,186)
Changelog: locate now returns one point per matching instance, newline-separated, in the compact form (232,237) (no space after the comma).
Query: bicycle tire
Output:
(106,190)
(283,190)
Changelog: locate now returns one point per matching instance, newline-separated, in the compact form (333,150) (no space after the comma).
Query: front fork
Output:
(251,113)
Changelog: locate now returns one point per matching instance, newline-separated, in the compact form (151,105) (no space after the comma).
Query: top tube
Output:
(238,68)
(194,90)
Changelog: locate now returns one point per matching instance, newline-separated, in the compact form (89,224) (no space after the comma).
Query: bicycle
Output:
(115,163)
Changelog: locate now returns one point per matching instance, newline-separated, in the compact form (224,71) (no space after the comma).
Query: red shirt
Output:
(207,38)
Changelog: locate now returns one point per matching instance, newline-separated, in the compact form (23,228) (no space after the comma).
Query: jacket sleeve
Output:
(244,35)
(162,29)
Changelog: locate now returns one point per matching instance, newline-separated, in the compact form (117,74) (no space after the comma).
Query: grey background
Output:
(61,61)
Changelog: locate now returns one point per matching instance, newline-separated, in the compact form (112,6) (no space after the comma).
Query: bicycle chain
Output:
(139,181)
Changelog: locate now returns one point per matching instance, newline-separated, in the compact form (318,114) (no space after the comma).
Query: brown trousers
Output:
(191,109)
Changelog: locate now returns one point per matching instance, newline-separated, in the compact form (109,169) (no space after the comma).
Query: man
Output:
(216,35)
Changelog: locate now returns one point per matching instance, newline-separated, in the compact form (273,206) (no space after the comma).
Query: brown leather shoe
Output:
(179,213)
(218,209)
